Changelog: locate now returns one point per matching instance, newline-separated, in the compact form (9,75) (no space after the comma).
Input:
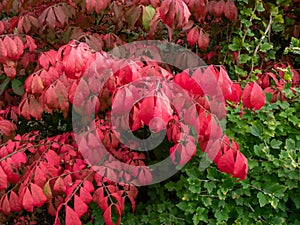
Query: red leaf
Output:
(19,158)
(107,215)
(15,202)
(100,199)
(193,36)
(3,52)
(51,209)
(36,108)
(237,93)
(198,8)
(88,185)
(27,84)
(257,98)
(92,5)
(225,83)
(2,28)
(72,217)
(101,5)
(20,46)
(62,95)
(9,169)
(11,47)
(246,95)
(187,151)
(240,166)
(253,96)
(52,158)
(10,71)
(47,59)
(51,98)
(37,85)
(80,206)
(47,190)
(30,44)
(7,128)
(4,205)
(51,18)
(23,25)
(123,101)
(60,15)
(218,8)
(39,177)
(230,10)
(120,200)
(24,108)
(156,107)
(28,202)
(59,185)
(38,196)
(226,162)
(145,176)
(174,13)
(185,81)
(85,195)
(203,40)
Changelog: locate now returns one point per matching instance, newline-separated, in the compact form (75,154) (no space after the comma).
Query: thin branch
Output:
(260,41)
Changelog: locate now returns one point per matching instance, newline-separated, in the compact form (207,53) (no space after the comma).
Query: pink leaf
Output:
(240,166)
(28,202)
(226,162)
(257,98)
(38,195)
(15,202)
(80,206)
(72,217)
(193,36)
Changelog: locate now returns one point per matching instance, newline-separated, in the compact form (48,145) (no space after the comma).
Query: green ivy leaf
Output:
(256,131)
(265,47)
(236,45)
(290,144)
(275,189)
(200,215)
(182,205)
(243,58)
(262,199)
(260,7)
(210,186)
(275,144)
(278,19)
(296,199)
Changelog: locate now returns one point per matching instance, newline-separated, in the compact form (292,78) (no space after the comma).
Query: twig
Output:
(260,41)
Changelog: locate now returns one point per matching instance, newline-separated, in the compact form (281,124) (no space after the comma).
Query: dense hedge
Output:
(46,48)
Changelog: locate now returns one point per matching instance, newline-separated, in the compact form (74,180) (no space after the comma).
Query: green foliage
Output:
(264,32)
(294,48)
